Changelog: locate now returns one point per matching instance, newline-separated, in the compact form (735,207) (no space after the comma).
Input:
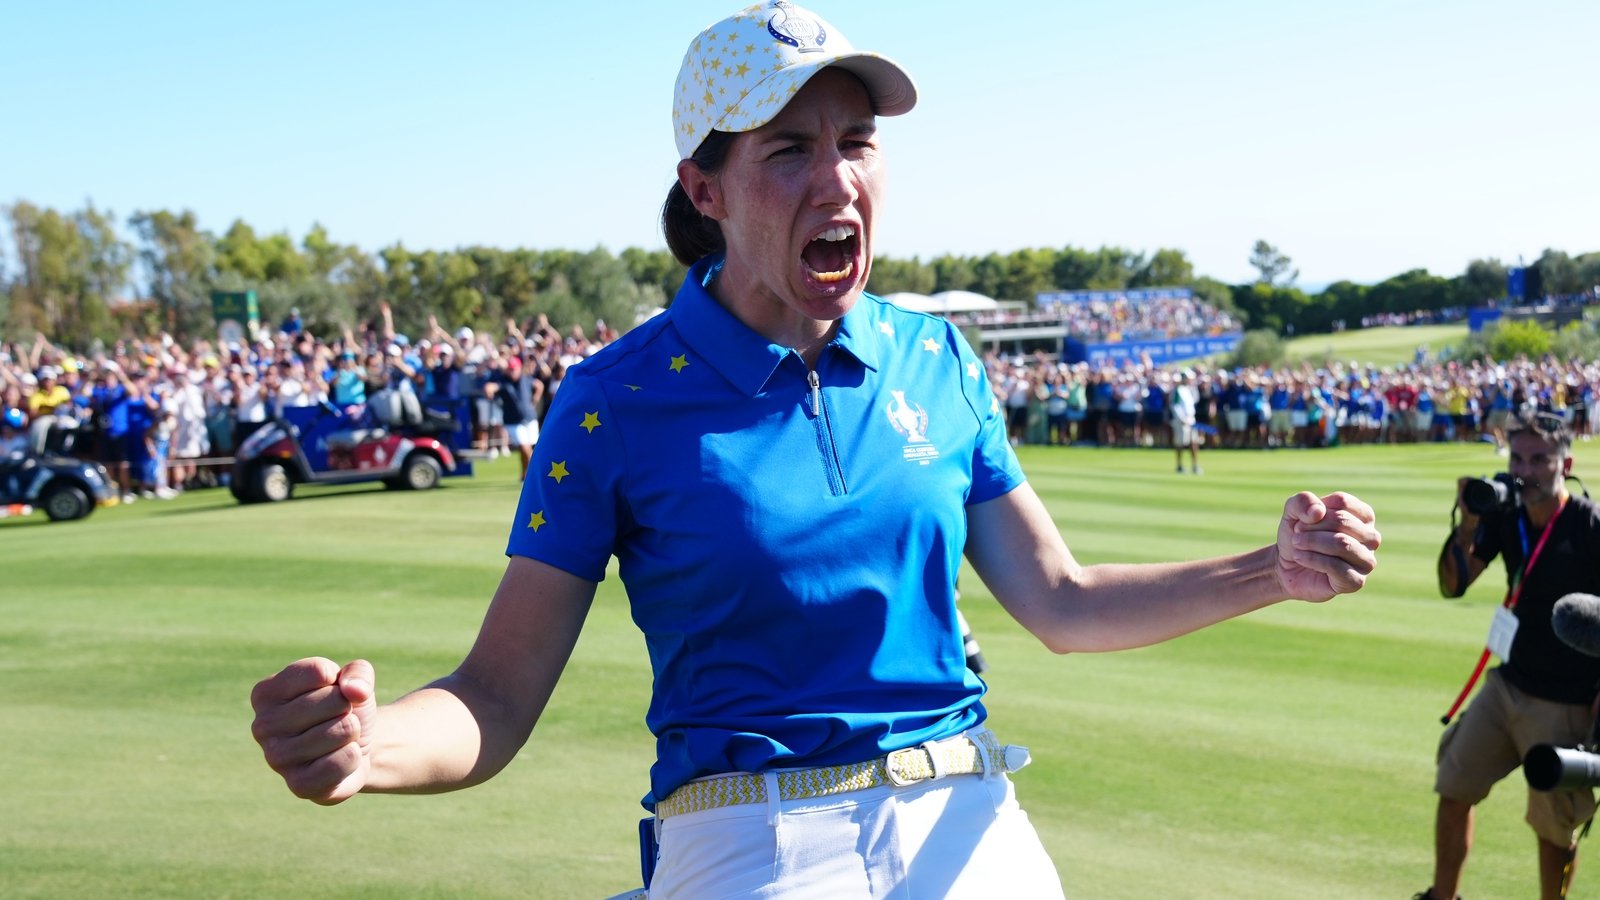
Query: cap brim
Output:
(889,88)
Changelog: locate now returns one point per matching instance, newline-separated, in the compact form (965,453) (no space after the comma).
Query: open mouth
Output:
(830,256)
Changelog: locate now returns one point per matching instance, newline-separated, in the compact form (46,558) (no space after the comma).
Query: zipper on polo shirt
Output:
(825,444)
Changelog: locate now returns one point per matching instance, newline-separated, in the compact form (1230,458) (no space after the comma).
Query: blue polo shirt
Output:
(789,545)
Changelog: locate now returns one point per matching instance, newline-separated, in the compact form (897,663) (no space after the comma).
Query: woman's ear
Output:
(703,190)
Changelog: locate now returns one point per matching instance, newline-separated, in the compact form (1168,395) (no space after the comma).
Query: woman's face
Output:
(796,200)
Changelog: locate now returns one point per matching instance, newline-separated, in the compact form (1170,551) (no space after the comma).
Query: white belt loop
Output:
(774,799)
(981,739)
(935,758)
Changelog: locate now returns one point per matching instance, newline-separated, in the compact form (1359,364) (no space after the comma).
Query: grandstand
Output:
(1161,325)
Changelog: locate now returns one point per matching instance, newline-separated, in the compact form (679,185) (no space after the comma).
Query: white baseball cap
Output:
(740,72)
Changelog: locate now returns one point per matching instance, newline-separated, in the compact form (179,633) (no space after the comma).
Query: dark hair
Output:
(690,235)
(1547,426)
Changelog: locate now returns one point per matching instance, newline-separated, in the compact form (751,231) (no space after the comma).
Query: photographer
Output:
(1543,690)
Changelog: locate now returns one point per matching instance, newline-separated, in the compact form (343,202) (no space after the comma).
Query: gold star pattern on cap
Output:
(536,521)
(742,52)
(679,361)
(558,470)
(590,422)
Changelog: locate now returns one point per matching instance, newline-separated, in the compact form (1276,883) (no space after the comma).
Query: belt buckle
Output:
(904,769)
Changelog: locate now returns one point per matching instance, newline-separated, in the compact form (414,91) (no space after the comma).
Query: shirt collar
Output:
(738,353)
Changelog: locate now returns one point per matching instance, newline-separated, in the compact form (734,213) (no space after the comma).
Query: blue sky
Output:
(1363,138)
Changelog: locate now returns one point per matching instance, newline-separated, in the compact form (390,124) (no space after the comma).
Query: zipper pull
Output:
(816,392)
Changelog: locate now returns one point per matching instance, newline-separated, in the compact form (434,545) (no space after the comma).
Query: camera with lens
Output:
(1482,496)
(1551,768)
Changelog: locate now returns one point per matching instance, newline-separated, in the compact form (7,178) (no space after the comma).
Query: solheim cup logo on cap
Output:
(791,27)
(911,420)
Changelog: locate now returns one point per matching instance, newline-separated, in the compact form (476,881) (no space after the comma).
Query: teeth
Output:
(837,233)
(830,277)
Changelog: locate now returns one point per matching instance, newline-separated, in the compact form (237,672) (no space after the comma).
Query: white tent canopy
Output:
(944,302)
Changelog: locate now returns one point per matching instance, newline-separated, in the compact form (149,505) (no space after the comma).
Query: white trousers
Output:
(963,836)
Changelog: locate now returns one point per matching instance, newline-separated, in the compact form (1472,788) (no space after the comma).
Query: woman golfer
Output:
(788,471)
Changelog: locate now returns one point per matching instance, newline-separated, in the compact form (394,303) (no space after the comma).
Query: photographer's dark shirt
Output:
(1541,663)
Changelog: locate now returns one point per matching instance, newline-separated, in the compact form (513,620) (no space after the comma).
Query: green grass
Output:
(1288,752)
(1382,347)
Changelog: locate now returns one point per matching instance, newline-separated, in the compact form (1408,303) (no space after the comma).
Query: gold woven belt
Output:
(969,754)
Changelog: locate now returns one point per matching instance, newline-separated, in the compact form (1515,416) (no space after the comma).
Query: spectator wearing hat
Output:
(347,387)
(250,399)
(13,432)
(1185,402)
(442,375)
(217,388)
(188,442)
(390,394)
(48,396)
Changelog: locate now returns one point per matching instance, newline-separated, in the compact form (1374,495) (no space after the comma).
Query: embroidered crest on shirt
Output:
(911,420)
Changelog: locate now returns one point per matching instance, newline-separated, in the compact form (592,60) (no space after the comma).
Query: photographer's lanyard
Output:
(1512,596)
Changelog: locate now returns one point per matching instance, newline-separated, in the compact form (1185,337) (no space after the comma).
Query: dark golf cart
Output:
(65,487)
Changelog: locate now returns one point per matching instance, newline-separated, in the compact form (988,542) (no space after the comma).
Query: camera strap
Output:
(1510,603)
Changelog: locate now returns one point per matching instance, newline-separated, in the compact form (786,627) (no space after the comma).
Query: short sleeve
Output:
(569,512)
(995,470)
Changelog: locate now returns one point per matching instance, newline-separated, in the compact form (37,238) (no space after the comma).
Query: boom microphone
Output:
(1576,621)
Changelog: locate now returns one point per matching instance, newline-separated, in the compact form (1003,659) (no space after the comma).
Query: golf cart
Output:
(323,444)
(65,487)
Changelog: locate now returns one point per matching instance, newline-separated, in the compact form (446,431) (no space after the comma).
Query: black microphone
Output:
(1576,621)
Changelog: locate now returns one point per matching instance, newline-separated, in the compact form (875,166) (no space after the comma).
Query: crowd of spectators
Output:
(1050,402)
(165,415)
(1118,319)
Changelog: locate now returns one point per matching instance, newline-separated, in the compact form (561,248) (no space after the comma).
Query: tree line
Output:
(81,276)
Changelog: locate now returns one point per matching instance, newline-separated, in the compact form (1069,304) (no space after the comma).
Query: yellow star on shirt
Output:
(972,370)
(931,345)
(536,520)
(679,361)
(590,422)
(558,471)
(886,328)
